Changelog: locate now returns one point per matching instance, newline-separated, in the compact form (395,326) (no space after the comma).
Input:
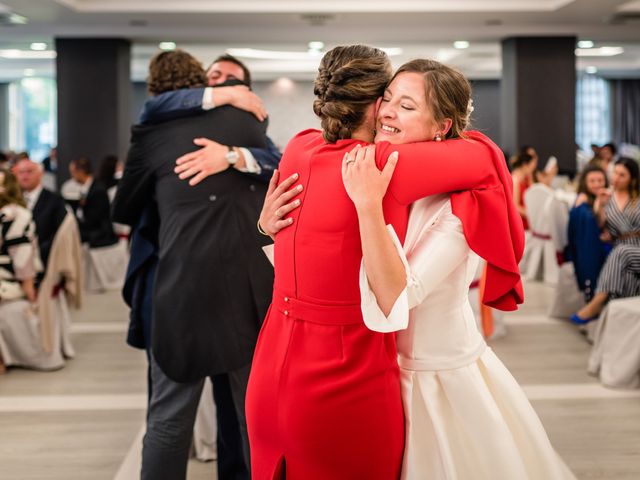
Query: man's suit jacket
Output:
(214,284)
(48,214)
(188,102)
(95,222)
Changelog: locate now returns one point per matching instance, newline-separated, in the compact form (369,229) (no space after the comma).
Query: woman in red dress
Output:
(522,167)
(323,400)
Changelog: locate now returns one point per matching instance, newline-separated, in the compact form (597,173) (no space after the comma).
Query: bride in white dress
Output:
(466,416)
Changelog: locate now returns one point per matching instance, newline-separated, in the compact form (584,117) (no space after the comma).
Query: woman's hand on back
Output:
(365,184)
(278,203)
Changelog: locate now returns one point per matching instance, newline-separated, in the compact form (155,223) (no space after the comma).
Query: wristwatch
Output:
(232,156)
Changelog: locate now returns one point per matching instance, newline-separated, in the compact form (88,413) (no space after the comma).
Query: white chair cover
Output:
(548,220)
(567,298)
(615,356)
(106,267)
(21,341)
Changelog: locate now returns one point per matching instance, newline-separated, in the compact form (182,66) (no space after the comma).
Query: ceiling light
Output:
(316,45)
(585,44)
(289,55)
(167,46)
(27,54)
(29,72)
(461,44)
(15,19)
(599,52)
(267,54)
(591,69)
(39,46)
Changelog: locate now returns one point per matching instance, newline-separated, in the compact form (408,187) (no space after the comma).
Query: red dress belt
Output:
(326,314)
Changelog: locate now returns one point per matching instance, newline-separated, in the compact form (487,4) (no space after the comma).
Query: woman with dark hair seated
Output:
(586,249)
(619,213)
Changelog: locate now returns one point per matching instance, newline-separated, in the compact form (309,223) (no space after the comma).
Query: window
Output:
(32,116)
(593,111)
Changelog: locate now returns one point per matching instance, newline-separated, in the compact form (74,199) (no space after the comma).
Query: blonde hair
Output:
(10,192)
(448,92)
(350,78)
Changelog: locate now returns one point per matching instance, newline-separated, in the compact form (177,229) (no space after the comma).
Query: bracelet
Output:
(261,230)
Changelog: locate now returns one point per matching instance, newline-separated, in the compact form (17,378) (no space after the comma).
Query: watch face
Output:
(232,157)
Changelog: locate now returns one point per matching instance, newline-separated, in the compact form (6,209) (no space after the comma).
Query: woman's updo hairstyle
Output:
(350,78)
(448,93)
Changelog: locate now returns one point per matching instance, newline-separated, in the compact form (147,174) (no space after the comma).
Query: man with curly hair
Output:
(229,83)
(213,284)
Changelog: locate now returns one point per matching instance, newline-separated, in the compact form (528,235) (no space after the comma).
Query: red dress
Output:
(323,400)
(524,186)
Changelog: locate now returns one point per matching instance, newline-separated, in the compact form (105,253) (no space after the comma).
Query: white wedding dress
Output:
(466,416)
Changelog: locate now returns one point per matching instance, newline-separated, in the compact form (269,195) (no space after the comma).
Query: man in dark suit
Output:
(236,92)
(213,284)
(48,208)
(92,210)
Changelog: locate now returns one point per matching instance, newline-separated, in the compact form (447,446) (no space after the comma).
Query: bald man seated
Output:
(48,208)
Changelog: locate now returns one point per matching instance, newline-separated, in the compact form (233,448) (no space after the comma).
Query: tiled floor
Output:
(85,421)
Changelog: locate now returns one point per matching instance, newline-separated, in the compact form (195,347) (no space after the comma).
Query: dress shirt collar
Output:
(32,197)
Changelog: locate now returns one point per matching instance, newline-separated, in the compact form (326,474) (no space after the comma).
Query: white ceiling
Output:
(422,28)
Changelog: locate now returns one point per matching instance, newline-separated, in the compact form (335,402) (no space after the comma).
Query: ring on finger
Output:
(351,160)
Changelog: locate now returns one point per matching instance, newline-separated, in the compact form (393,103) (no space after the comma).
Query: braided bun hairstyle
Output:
(448,93)
(350,78)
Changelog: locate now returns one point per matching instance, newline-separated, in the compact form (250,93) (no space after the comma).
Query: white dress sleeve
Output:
(440,249)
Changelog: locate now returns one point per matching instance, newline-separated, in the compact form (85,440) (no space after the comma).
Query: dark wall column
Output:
(538,92)
(94,91)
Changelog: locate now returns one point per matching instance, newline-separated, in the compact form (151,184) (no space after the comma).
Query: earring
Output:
(438,137)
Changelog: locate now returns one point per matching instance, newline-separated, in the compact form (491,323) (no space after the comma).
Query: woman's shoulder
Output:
(308,135)
(304,140)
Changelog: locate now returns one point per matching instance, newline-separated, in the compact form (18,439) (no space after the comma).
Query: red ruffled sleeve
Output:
(475,171)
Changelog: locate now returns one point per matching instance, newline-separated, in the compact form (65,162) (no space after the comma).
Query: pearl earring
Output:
(438,137)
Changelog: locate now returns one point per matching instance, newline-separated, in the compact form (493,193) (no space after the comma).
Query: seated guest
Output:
(20,342)
(547,216)
(17,237)
(109,172)
(586,249)
(522,167)
(71,190)
(619,213)
(47,207)
(605,158)
(109,175)
(93,211)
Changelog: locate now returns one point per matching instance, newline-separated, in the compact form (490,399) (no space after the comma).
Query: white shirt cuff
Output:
(207,99)
(250,163)
(374,318)
(268,251)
